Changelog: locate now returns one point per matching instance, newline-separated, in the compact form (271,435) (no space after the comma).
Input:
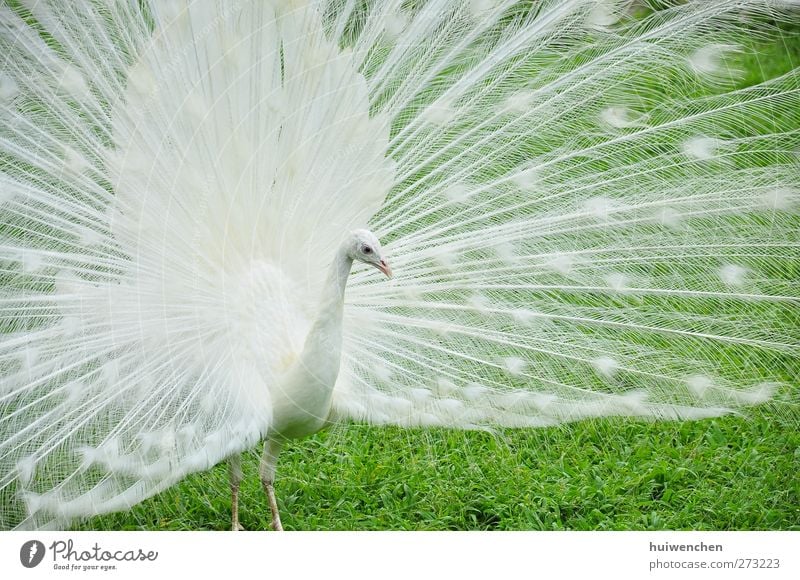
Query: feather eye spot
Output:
(445,387)
(457,193)
(73,82)
(514,365)
(26,469)
(32,261)
(702,148)
(600,208)
(604,14)
(699,385)
(420,395)
(780,198)
(395,24)
(617,281)
(478,8)
(733,275)
(619,118)
(450,407)
(439,112)
(523,315)
(519,102)
(606,366)
(669,218)
(561,263)
(527,178)
(9,88)
(709,60)
(382,372)
(474,391)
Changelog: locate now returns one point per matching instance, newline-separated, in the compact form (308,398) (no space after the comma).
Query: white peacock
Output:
(185,186)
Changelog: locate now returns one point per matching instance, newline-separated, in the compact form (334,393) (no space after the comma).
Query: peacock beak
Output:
(384,267)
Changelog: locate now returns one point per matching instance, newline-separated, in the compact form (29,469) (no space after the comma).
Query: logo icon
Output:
(31,553)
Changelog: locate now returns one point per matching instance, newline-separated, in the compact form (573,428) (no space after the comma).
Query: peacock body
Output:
(577,229)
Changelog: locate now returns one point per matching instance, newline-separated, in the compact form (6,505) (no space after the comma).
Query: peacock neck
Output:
(325,337)
(301,404)
(332,302)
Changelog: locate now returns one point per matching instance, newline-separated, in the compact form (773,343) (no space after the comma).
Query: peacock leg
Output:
(235,468)
(269,461)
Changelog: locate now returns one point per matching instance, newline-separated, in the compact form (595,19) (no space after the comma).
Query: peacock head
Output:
(365,247)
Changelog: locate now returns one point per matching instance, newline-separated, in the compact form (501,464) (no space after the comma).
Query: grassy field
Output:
(730,473)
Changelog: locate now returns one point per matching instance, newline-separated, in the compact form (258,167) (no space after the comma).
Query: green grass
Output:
(731,473)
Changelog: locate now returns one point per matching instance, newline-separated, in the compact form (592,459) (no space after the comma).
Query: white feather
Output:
(177,178)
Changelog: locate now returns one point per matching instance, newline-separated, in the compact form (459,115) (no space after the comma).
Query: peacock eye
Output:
(367,250)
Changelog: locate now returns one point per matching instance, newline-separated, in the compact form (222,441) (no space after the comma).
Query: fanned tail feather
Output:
(586,217)
(576,232)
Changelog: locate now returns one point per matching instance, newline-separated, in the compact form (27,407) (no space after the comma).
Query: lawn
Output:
(731,473)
